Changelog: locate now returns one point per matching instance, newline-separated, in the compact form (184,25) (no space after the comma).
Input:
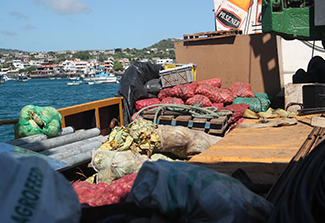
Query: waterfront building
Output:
(81,66)
(74,66)
(109,63)
(45,71)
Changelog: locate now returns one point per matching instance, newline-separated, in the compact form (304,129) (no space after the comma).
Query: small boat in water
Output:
(72,83)
(2,80)
(22,78)
(101,76)
(73,77)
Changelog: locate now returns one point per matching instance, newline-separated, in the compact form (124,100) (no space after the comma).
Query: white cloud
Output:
(29,26)
(8,33)
(66,6)
(18,15)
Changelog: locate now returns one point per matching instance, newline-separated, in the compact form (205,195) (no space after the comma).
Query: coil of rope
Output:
(195,111)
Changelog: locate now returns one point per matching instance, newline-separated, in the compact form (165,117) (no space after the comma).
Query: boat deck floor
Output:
(263,153)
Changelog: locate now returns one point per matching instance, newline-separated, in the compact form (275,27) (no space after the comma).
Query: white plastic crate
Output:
(177,75)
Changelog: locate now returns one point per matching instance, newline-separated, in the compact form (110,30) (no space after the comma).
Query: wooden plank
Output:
(9,122)
(183,118)
(216,131)
(242,145)
(210,35)
(151,117)
(199,124)
(213,33)
(166,117)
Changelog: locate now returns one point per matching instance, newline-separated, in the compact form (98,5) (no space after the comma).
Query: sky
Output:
(58,25)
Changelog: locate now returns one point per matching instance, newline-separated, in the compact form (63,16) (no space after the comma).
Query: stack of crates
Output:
(175,74)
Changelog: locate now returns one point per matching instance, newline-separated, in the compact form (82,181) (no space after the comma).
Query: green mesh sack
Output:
(36,120)
(260,103)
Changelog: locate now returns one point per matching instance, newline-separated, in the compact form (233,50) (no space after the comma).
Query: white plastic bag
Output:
(189,193)
(31,191)
(113,165)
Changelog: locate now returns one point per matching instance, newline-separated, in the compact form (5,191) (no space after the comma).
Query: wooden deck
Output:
(263,153)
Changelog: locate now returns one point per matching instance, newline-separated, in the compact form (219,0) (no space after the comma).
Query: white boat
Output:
(73,77)
(6,78)
(101,76)
(22,78)
(71,83)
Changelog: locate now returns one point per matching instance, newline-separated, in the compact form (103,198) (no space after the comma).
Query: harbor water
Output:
(46,92)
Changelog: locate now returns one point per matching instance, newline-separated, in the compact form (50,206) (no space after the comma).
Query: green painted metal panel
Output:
(291,22)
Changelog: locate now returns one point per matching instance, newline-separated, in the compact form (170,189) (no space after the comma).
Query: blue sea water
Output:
(45,92)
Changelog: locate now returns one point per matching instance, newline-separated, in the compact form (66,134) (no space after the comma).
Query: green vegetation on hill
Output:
(3,50)
(165,44)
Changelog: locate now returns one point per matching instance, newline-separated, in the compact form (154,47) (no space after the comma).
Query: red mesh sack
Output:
(219,106)
(102,193)
(226,95)
(215,82)
(241,89)
(199,100)
(228,91)
(214,94)
(164,93)
(172,100)
(140,104)
(184,91)
(238,110)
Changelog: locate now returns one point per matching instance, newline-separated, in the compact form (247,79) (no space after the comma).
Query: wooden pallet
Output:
(215,126)
(211,35)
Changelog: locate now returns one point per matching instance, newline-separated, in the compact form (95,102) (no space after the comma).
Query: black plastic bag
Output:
(153,86)
(315,72)
(132,86)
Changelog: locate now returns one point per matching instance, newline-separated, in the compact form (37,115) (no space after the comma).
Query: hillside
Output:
(3,50)
(165,44)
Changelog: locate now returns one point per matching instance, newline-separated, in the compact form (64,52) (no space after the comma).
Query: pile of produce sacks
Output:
(209,93)
(122,155)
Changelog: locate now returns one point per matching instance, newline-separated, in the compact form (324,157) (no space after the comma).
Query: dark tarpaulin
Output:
(132,86)
(315,72)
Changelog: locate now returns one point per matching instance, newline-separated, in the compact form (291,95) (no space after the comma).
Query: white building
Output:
(109,63)
(76,66)
(36,63)
(164,61)
(81,66)
(18,64)
(68,66)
